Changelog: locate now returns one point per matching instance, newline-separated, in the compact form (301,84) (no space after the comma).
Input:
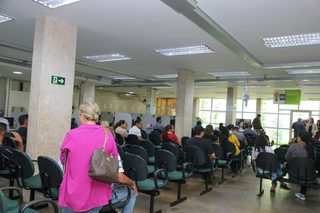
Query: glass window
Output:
(251,107)
(269,120)
(250,116)
(205,116)
(239,105)
(219,104)
(283,136)
(288,106)
(315,118)
(218,117)
(284,111)
(205,104)
(268,106)
(163,111)
(284,121)
(174,103)
(272,134)
(163,104)
(309,105)
(204,125)
(159,102)
(238,115)
(158,112)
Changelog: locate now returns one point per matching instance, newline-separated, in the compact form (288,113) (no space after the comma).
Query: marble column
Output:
(184,111)
(195,107)
(151,101)
(50,107)
(87,91)
(258,105)
(231,106)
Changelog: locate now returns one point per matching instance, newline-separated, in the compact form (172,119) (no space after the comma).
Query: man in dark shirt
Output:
(23,130)
(297,126)
(257,124)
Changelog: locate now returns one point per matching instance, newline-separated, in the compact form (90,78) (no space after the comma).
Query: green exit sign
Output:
(58,80)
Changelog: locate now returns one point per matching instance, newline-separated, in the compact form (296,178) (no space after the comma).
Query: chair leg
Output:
(261,191)
(237,173)
(179,199)
(222,177)
(207,189)
(152,205)
(32,193)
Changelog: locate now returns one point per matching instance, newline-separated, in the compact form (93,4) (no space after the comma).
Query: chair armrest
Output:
(44,200)
(17,190)
(253,166)
(184,166)
(216,163)
(284,169)
(229,157)
(128,197)
(155,176)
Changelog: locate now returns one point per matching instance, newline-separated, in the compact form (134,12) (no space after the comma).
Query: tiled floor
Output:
(235,195)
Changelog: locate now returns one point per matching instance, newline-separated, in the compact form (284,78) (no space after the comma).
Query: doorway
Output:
(295,114)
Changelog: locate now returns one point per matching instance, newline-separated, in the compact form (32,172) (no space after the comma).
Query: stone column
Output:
(185,93)
(8,90)
(151,101)
(258,105)
(87,90)
(195,107)
(50,107)
(231,106)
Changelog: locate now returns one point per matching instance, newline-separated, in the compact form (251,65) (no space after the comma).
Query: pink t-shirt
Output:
(78,191)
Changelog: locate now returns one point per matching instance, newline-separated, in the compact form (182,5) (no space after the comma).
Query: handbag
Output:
(104,167)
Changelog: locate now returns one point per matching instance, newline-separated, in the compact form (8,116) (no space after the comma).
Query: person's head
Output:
(138,123)
(311,121)
(261,143)
(299,119)
(159,120)
(241,124)
(250,126)
(89,112)
(220,126)
(236,129)
(105,124)
(138,118)
(23,120)
(198,131)
(209,130)
(1,114)
(318,122)
(198,123)
(230,127)
(225,131)
(166,129)
(259,116)
(304,137)
(122,123)
(223,138)
(3,129)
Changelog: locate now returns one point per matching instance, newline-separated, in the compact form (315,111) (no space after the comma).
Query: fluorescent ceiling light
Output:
(131,92)
(314,99)
(204,86)
(106,80)
(308,85)
(190,50)
(294,40)
(55,3)
(254,86)
(162,87)
(240,73)
(18,73)
(5,18)
(264,93)
(220,93)
(306,93)
(309,71)
(166,76)
(108,57)
(121,77)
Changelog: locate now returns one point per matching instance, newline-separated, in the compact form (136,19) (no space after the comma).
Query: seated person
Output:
(261,145)
(121,128)
(209,133)
(230,127)
(204,145)
(168,132)
(23,130)
(240,136)
(5,121)
(105,125)
(135,130)
(302,148)
(159,124)
(249,130)
(198,124)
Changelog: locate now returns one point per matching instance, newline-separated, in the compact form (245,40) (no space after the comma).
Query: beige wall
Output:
(111,102)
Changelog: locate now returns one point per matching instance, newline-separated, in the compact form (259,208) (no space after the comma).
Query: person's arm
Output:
(314,129)
(140,138)
(245,142)
(175,138)
(18,139)
(213,155)
(122,178)
(124,132)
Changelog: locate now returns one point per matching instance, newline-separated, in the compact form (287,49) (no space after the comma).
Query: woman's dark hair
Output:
(220,126)
(119,123)
(166,130)
(305,137)
(209,130)
(224,136)
(261,143)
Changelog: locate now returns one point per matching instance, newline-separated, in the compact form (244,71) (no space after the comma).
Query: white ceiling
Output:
(135,28)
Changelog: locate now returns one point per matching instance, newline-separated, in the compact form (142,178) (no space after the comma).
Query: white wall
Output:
(16,86)
(19,99)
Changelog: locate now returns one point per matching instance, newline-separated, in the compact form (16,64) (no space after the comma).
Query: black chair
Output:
(120,139)
(136,169)
(155,132)
(281,153)
(144,134)
(151,150)
(120,151)
(133,140)
(140,151)
(216,133)
(302,171)
(184,141)
(253,138)
(168,140)
(176,152)
(155,139)
(196,156)
(7,141)
(229,148)
(166,160)
(269,163)
(8,171)
(111,207)
(10,206)
(223,162)
(284,146)
(318,163)
(192,132)
(51,177)
(158,130)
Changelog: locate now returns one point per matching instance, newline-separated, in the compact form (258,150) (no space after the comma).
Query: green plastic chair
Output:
(11,206)
(140,151)
(151,150)
(223,161)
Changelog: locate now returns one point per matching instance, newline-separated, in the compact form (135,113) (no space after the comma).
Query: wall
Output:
(20,99)
(16,86)
(2,93)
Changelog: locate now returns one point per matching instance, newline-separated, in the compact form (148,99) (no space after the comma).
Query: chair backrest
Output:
(7,141)
(218,151)
(228,147)
(195,156)
(158,130)
(23,163)
(155,138)
(165,160)
(168,140)
(172,148)
(3,203)
(250,143)
(284,146)
(281,153)
(144,134)
(253,138)
(155,132)
(140,151)
(133,140)
(216,133)
(135,167)
(267,161)
(184,140)
(120,139)
(120,151)
(318,162)
(302,169)
(149,147)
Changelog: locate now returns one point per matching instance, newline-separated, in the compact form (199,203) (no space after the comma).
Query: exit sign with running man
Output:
(58,80)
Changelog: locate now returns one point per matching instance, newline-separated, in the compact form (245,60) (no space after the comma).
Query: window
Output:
(205,104)
(268,106)
(219,104)
(309,105)
(166,106)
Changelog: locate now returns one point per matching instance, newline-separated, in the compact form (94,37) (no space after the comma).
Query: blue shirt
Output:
(296,126)
(249,132)
(158,126)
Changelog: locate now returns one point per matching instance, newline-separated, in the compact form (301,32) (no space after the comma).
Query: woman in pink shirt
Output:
(78,191)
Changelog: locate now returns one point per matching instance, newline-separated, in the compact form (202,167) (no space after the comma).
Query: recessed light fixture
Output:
(220,93)
(205,86)
(294,40)
(100,87)
(166,76)
(55,3)
(121,77)
(264,93)
(190,50)
(238,73)
(309,71)
(308,85)
(108,57)
(106,80)
(254,86)
(162,87)
(5,18)
(18,73)
(306,93)
(131,92)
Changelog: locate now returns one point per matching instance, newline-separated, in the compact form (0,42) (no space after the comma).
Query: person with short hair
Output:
(198,124)
(249,130)
(168,132)
(297,126)
(23,130)
(136,129)
(240,136)
(257,124)
(5,121)
(159,124)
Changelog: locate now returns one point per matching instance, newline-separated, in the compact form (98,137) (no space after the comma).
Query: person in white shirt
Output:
(135,130)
